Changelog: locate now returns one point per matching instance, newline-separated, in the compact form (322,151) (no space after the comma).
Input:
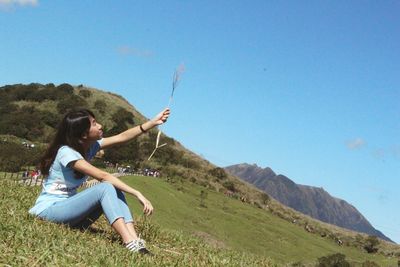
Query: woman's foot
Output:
(138,245)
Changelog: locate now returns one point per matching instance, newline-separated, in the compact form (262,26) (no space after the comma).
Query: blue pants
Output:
(82,209)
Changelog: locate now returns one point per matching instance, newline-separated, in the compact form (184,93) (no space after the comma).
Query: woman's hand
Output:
(147,207)
(161,117)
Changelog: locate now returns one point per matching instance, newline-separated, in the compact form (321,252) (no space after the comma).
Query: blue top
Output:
(61,183)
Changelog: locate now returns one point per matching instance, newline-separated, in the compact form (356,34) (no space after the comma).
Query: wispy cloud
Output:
(356,143)
(381,153)
(8,4)
(133,51)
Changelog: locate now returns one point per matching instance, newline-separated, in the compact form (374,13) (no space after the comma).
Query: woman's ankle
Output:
(131,240)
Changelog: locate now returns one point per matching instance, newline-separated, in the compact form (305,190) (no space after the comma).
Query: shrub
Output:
(66,88)
(265,198)
(71,102)
(85,93)
(14,156)
(187,162)
(50,85)
(369,264)
(24,122)
(229,185)
(123,153)
(218,172)
(122,116)
(334,260)
(21,92)
(257,205)
(297,264)
(101,106)
(50,118)
(371,245)
(203,197)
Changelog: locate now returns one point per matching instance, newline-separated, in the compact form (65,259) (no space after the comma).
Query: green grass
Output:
(231,233)
(27,241)
(228,222)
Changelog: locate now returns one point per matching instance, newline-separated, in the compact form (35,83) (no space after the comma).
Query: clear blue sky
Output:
(308,88)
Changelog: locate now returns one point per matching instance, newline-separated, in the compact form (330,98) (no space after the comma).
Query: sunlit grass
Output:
(231,233)
(27,241)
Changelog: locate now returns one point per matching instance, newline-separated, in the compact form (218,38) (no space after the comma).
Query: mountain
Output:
(309,200)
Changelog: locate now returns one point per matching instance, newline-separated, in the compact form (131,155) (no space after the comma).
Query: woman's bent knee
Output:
(106,188)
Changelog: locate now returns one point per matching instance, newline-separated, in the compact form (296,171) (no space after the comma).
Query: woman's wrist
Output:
(146,126)
(149,125)
(142,129)
(134,192)
(138,195)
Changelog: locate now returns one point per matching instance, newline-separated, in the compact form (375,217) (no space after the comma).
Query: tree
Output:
(70,102)
(265,198)
(371,244)
(49,118)
(122,116)
(101,106)
(229,185)
(219,173)
(14,156)
(125,153)
(66,88)
(85,93)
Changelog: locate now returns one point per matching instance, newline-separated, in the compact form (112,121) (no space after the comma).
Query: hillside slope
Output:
(27,241)
(224,226)
(20,105)
(312,201)
(229,223)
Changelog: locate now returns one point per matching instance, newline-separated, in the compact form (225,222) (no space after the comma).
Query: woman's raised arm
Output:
(136,131)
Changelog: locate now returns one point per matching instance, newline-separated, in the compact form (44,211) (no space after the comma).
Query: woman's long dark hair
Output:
(74,125)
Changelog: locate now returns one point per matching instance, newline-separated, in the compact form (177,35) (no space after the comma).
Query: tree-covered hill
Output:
(32,112)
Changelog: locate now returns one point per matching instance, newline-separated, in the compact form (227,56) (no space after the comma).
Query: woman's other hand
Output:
(147,207)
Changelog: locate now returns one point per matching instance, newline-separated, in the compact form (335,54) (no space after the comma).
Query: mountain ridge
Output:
(309,200)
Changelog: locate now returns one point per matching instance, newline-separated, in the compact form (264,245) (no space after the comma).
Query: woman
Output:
(66,164)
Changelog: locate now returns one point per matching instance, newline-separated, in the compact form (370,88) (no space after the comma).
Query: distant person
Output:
(66,164)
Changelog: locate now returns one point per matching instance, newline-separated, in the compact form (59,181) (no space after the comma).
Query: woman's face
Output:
(95,131)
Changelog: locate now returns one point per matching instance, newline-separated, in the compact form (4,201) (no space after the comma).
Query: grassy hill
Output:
(186,230)
(187,175)
(27,241)
(227,222)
